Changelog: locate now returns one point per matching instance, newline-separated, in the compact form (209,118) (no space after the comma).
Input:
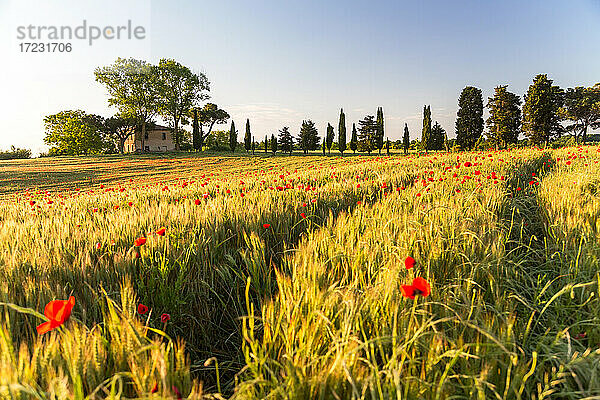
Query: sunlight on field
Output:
(282,276)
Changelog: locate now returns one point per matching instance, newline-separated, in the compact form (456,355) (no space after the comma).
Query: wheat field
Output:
(282,277)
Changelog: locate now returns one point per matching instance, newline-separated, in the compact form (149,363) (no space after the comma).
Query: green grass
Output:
(308,307)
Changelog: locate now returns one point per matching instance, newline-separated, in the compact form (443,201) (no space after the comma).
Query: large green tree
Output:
(248,136)
(133,88)
(74,132)
(342,132)
(209,116)
(437,140)
(179,90)
(232,137)
(274,143)
(426,131)
(469,121)
(354,139)
(330,137)
(541,119)
(309,136)
(582,109)
(286,140)
(120,129)
(504,122)
(367,130)
(379,133)
(406,139)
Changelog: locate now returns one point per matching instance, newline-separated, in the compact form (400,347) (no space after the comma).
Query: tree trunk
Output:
(122,145)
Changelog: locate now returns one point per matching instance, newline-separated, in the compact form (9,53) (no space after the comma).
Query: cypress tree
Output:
(273,144)
(469,121)
(406,139)
(541,120)
(253,145)
(379,134)
(330,137)
(232,137)
(266,145)
(387,146)
(354,140)
(195,131)
(426,132)
(324,145)
(248,136)
(504,122)
(342,132)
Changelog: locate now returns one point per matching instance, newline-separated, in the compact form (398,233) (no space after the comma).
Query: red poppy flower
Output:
(154,388)
(409,262)
(139,241)
(303,215)
(142,309)
(266,226)
(419,287)
(161,231)
(197,202)
(58,312)
(164,318)
(408,291)
(130,203)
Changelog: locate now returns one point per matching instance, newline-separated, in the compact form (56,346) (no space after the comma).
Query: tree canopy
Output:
(469,121)
(504,122)
(541,119)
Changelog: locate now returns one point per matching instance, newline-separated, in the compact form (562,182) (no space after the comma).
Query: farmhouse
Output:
(157,139)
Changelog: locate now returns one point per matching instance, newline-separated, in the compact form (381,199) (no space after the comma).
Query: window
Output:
(146,136)
(164,135)
(147,148)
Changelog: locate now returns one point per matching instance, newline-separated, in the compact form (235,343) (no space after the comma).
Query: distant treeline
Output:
(141,92)
(15,153)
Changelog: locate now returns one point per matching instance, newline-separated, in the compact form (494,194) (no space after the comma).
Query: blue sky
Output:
(279,62)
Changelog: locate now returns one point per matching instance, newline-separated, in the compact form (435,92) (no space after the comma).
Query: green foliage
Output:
(330,137)
(209,116)
(120,128)
(379,133)
(426,131)
(367,130)
(309,136)
(274,144)
(133,88)
(437,140)
(179,90)
(581,108)
(504,122)
(286,140)
(342,132)
(75,133)
(195,130)
(541,119)
(15,153)
(469,121)
(354,139)
(248,137)
(406,139)
(232,137)
(218,140)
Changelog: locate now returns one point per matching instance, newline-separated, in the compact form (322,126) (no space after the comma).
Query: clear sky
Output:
(279,62)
